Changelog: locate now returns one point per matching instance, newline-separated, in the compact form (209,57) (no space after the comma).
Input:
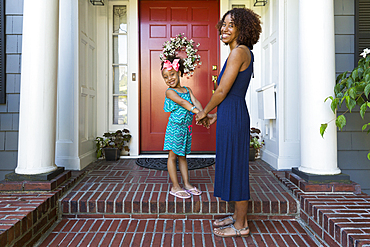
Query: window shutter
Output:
(362,27)
(2,52)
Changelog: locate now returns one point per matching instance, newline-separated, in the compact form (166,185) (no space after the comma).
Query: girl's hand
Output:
(200,115)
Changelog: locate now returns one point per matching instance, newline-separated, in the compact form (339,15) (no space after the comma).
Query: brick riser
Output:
(24,218)
(189,206)
(339,219)
(124,188)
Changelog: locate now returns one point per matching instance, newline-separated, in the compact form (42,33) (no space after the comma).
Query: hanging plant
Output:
(181,43)
(353,88)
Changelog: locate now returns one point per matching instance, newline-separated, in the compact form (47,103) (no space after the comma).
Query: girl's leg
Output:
(183,166)
(172,171)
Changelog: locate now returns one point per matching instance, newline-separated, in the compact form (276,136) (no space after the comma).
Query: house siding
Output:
(9,112)
(353,144)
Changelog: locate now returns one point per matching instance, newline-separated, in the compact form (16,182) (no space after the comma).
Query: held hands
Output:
(205,119)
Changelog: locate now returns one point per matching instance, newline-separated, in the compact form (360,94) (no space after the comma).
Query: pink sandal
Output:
(194,191)
(180,196)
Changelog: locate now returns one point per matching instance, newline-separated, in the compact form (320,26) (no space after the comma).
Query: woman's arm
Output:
(172,95)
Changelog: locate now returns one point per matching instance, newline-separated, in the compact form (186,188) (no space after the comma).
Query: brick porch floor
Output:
(122,204)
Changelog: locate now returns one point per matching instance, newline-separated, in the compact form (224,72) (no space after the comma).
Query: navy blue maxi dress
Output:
(232,140)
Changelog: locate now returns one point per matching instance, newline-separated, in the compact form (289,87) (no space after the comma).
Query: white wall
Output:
(279,67)
(76,116)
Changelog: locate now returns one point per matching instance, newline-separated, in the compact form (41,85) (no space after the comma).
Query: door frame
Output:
(134,52)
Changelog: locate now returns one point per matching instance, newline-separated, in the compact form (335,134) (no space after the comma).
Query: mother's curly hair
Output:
(247,23)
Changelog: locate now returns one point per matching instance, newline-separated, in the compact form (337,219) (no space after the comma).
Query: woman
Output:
(240,30)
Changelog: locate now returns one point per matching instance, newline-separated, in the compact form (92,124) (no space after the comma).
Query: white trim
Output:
(105,76)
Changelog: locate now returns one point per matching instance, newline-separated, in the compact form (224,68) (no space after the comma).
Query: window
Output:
(120,65)
(362,27)
(2,53)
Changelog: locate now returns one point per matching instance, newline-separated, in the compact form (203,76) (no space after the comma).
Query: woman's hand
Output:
(212,118)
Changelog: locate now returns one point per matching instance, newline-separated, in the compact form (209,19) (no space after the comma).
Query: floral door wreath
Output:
(181,43)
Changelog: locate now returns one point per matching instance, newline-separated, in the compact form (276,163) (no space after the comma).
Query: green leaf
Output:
(363,110)
(360,73)
(355,74)
(367,90)
(337,89)
(330,97)
(349,82)
(367,77)
(340,122)
(350,103)
(352,93)
(334,105)
(322,129)
(364,127)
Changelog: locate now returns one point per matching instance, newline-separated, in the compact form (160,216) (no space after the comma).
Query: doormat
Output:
(161,163)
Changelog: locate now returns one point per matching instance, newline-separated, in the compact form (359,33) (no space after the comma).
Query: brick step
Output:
(124,188)
(175,232)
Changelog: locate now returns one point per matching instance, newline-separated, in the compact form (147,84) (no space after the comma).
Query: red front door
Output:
(159,21)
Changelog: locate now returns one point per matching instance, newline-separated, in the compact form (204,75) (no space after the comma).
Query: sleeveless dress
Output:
(179,128)
(232,140)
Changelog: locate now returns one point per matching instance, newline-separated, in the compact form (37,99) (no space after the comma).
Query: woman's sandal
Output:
(223,219)
(237,232)
(194,191)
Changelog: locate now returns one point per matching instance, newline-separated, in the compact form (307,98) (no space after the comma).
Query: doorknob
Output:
(214,80)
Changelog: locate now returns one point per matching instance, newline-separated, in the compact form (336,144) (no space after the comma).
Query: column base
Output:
(25,183)
(315,178)
(34,177)
(312,183)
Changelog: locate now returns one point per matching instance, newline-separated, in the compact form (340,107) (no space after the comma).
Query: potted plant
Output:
(255,145)
(112,144)
(353,88)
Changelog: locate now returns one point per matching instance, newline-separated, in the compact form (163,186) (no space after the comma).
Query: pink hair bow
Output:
(168,65)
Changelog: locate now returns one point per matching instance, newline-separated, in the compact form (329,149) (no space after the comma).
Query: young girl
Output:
(182,104)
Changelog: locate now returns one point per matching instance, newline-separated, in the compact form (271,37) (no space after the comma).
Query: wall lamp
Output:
(260,2)
(97,2)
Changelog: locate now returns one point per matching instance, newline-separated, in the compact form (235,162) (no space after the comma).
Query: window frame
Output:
(112,126)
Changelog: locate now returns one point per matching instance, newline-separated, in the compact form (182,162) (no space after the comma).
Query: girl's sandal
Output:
(222,220)
(179,195)
(237,232)
(194,191)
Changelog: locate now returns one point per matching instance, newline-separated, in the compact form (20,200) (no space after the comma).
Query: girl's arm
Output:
(195,101)
(172,95)
(237,57)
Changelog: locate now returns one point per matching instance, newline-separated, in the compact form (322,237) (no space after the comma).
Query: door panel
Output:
(159,21)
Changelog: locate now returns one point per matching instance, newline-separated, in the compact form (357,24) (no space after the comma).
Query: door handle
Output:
(214,80)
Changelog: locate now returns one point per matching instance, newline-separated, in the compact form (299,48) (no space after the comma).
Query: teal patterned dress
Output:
(179,128)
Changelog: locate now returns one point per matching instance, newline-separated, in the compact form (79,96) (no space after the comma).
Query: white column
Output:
(317,79)
(37,120)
